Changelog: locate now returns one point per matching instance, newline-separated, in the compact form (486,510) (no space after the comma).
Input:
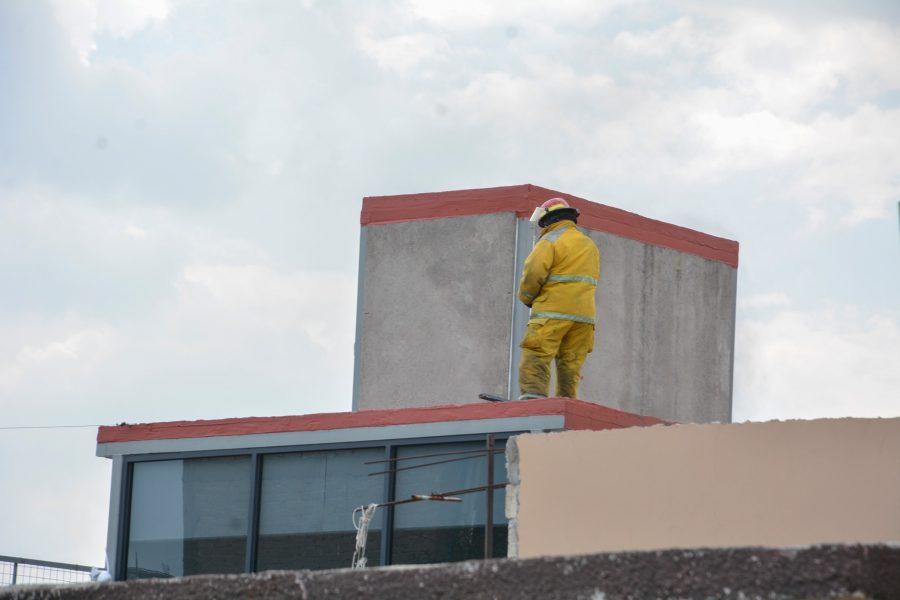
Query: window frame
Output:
(256,455)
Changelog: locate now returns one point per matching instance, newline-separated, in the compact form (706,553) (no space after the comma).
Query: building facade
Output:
(244,495)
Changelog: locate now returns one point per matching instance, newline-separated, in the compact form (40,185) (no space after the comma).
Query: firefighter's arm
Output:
(537,268)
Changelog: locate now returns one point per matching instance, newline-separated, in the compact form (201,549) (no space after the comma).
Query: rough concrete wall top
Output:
(665,333)
(749,573)
(436,308)
(686,486)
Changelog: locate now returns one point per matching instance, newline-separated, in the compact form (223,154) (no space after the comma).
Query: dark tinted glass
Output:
(306,506)
(431,532)
(189,517)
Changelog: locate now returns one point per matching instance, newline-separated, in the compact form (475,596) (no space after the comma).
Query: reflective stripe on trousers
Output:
(561,316)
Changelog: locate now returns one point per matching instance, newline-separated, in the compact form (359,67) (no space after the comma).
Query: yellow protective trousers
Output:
(569,342)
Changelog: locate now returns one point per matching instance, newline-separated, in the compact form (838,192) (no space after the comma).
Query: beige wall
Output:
(686,486)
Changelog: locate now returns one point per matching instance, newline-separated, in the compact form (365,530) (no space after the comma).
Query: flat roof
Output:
(521,199)
(364,425)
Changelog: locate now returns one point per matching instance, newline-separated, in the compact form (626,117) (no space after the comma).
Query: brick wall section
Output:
(865,572)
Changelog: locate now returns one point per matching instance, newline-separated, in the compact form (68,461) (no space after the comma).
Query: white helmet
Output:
(549,207)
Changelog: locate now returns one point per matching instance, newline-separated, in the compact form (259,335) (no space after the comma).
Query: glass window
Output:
(431,532)
(189,517)
(306,506)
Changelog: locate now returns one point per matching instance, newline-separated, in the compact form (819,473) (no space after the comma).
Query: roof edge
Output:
(581,414)
(521,199)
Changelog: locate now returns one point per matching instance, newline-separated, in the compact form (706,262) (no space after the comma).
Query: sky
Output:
(180,186)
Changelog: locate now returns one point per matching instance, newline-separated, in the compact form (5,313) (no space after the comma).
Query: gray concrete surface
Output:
(860,572)
(440,323)
(665,333)
(437,297)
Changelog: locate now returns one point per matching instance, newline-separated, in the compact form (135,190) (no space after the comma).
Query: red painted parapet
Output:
(521,199)
(577,415)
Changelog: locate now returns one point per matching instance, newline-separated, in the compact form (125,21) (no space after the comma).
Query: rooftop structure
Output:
(438,319)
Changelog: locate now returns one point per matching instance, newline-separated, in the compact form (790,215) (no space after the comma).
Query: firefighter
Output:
(558,284)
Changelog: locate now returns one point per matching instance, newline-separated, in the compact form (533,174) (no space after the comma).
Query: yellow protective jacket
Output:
(561,275)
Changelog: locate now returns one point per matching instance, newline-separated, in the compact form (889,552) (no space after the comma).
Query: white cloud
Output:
(163,315)
(831,362)
(135,231)
(791,66)
(58,355)
(473,14)
(76,347)
(708,96)
(736,142)
(256,298)
(82,20)
(730,93)
(763,301)
(681,37)
(851,165)
(401,53)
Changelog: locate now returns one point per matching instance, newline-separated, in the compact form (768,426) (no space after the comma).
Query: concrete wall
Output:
(858,572)
(665,333)
(769,484)
(435,312)
(438,321)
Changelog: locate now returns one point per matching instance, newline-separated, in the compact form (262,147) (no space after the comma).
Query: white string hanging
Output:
(361,524)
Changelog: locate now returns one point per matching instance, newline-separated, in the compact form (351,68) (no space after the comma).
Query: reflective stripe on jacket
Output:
(561,275)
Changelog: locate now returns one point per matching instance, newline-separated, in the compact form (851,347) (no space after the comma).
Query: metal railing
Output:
(15,570)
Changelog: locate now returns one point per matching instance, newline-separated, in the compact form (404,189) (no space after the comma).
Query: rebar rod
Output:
(421,497)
